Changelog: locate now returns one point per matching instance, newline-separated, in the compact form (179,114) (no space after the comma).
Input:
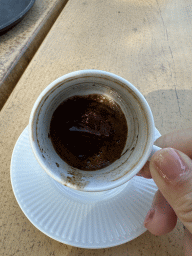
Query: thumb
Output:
(172,172)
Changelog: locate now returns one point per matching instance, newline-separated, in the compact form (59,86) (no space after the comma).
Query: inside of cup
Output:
(138,144)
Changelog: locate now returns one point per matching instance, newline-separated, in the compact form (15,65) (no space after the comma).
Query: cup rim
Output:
(93,72)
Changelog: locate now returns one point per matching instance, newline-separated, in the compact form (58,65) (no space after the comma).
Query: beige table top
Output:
(146,42)
(18,45)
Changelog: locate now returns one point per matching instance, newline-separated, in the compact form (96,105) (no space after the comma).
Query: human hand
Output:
(171,169)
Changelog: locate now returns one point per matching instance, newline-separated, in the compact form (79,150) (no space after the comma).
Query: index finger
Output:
(180,140)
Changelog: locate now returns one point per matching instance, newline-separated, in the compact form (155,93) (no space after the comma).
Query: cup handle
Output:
(154,149)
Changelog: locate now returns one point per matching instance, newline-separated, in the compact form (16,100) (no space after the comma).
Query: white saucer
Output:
(81,219)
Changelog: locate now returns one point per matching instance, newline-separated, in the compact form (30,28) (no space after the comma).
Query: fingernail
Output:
(170,165)
(149,216)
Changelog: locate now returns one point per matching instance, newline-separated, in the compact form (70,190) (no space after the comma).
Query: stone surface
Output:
(18,45)
(146,42)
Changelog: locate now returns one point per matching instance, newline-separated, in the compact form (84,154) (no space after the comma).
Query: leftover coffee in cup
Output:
(88,132)
(91,130)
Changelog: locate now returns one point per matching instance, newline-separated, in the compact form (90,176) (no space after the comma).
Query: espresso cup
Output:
(140,135)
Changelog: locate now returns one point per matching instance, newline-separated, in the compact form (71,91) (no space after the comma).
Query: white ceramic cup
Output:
(139,145)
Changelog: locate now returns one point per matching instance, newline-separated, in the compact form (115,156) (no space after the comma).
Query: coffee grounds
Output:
(88,132)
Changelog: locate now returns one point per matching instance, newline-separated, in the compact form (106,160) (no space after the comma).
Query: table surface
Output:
(149,43)
(18,45)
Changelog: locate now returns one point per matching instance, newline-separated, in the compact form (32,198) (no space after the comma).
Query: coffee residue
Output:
(89,132)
